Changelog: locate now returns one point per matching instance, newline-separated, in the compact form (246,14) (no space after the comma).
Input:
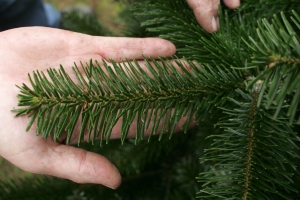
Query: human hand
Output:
(206,12)
(24,50)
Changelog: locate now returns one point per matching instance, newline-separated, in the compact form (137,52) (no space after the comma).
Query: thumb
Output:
(80,166)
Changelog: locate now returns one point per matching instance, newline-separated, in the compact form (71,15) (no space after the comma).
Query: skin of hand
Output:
(206,12)
(24,50)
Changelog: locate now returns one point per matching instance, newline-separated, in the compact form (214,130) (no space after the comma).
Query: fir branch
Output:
(250,146)
(83,23)
(278,55)
(267,9)
(35,188)
(103,96)
(177,23)
(250,160)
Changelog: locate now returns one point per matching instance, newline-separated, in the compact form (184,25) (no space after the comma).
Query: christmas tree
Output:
(242,86)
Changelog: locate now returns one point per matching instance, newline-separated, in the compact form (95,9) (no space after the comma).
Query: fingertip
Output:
(160,47)
(232,4)
(210,25)
(81,166)
(208,19)
(96,169)
(171,48)
(116,183)
(103,172)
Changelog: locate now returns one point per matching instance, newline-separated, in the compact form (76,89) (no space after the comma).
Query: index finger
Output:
(120,48)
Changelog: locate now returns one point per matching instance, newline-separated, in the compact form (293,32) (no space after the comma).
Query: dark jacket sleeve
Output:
(19,13)
(4,4)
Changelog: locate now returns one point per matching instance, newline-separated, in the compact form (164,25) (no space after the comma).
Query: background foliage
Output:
(247,138)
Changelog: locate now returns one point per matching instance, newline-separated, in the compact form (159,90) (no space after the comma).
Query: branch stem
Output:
(250,146)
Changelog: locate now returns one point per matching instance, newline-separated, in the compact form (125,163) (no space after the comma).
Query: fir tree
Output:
(243,86)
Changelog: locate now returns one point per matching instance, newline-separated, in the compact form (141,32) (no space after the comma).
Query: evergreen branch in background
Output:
(259,9)
(175,22)
(254,144)
(253,157)
(276,54)
(83,23)
(38,188)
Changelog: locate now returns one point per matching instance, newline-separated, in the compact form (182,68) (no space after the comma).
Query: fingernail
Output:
(115,186)
(218,22)
(214,24)
(117,180)
(112,187)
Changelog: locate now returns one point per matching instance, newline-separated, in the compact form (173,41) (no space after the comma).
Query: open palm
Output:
(24,50)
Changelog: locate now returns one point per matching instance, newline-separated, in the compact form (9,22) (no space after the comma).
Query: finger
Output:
(117,49)
(133,48)
(79,166)
(206,13)
(65,47)
(82,48)
(233,4)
